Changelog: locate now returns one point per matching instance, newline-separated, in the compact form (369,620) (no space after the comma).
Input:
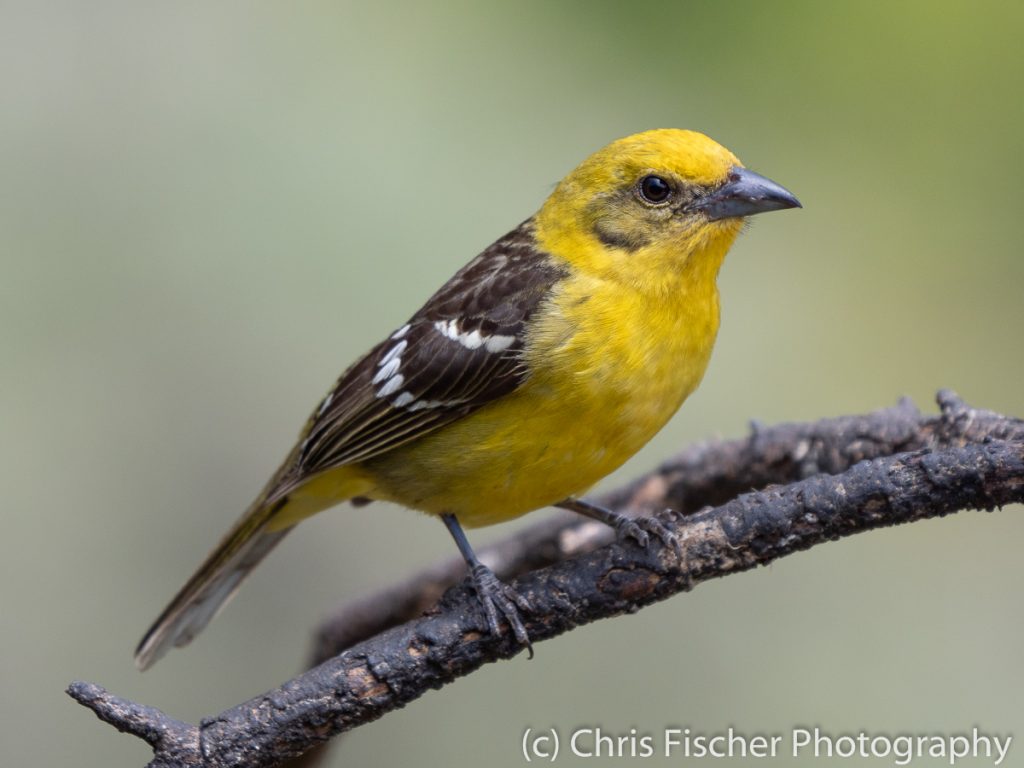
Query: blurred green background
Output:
(207,210)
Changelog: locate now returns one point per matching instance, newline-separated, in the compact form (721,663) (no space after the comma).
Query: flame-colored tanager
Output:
(536,370)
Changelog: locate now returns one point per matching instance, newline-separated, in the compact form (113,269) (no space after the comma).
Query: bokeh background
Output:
(207,210)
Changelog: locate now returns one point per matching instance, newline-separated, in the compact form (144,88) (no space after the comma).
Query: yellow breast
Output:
(610,364)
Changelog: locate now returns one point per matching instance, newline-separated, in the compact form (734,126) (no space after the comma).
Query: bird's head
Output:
(655,202)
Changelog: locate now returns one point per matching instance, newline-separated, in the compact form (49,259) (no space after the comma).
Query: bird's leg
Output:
(636,528)
(493,594)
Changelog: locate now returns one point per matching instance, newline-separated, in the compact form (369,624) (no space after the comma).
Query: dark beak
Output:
(744,194)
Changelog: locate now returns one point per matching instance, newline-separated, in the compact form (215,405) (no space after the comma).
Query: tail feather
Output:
(275,512)
(213,585)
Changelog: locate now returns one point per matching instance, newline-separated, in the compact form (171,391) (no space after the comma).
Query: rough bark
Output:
(818,482)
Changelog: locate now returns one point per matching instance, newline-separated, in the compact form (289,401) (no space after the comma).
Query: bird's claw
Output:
(496,598)
(639,528)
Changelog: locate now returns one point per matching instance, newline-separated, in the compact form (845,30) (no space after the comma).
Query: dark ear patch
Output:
(608,234)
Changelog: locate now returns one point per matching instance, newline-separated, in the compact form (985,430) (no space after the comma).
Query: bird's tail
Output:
(257,532)
(216,581)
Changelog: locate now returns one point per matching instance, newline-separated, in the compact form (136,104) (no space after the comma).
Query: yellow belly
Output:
(599,389)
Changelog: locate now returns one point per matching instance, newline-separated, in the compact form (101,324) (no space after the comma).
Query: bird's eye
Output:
(654,189)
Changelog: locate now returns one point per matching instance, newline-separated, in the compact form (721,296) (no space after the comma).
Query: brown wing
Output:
(460,351)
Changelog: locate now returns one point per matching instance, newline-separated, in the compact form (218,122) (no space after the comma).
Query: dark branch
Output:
(882,469)
(174,742)
(703,475)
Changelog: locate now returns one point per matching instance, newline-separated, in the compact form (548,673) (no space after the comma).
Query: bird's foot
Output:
(637,528)
(640,528)
(499,600)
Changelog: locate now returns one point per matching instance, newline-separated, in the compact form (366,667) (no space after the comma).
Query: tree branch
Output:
(844,476)
(702,475)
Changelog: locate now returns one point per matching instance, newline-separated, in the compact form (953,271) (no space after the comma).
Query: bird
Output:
(536,370)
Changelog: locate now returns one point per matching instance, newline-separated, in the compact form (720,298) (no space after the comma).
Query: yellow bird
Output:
(536,370)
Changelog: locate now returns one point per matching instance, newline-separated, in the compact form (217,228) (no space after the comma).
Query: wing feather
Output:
(462,350)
